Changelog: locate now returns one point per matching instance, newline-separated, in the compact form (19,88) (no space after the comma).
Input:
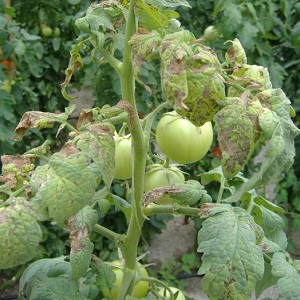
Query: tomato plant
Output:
(240,238)
(182,141)
(166,294)
(123,159)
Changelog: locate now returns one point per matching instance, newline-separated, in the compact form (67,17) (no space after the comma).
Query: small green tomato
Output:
(123,158)
(165,293)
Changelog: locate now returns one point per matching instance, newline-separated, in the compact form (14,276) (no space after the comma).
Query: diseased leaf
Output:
(187,193)
(96,141)
(75,63)
(20,234)
(40,120)
(51,279)
(69,186)
(289,278)
(143,44)
(238,132)
(190,77)
(232,263)
(168,3)
(235,54)
(252,77)
(80,226)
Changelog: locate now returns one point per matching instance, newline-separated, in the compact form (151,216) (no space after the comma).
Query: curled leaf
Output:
(187,193)
(235,55)
(80,226)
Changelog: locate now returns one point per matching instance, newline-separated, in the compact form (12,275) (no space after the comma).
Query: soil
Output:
(11,291)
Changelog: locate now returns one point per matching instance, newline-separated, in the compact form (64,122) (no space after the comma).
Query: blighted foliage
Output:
(241,239)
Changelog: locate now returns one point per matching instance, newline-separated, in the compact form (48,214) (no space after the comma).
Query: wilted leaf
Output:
(75,63)
(289,278)
(97,142)
(187,193)
(20,235)
(252,77)
(143,43)
(235,54)
(168,3)
(232,262)
(40,120)
(80,226)
(69,186)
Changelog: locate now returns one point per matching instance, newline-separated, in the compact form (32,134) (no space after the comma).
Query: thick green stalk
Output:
(139,156)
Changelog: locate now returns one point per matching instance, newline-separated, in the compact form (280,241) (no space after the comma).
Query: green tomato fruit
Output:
(56,31)
(182,141)
(159,176)
(141,288)
(46,30)
(211,33)
(123,158)
(6,85)
(165,293)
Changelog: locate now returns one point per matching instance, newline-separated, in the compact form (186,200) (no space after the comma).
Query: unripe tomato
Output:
(56,31)
(159,176)
(165,293)
(6,85)
(123,158)
(180,140)
(211,33)
(46,30)
(139,291)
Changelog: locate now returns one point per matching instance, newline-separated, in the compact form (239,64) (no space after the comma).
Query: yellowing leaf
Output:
(69,186)
(20,235)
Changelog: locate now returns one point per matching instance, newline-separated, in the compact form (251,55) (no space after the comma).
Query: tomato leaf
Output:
(287,270)
(105,274)
(80,226)
(68,187)
(97,142)
(20,234)
(267,281)
(143,44)
(40,120)
(190,77)
(238,133)
(232,262)
(51,279)
(168,3)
